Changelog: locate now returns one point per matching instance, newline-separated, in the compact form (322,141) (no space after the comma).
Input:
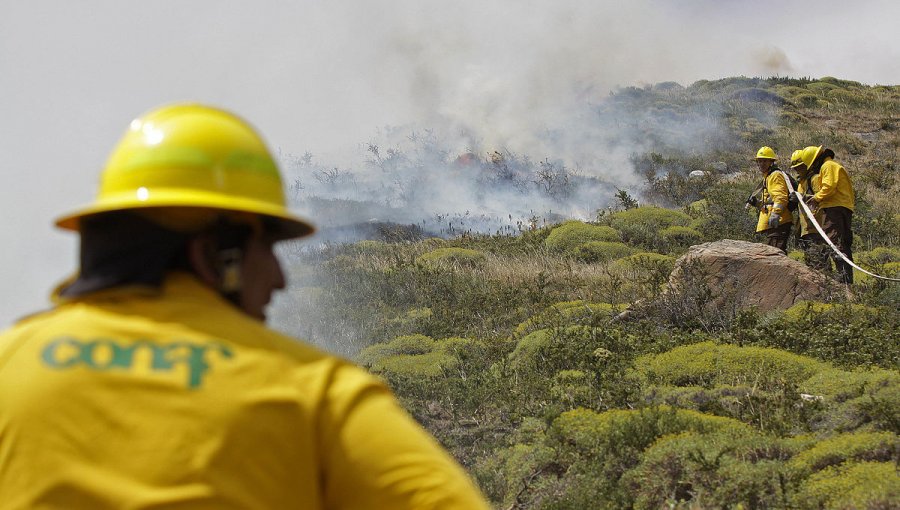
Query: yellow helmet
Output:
(808,155)
(796,158)
(192,158)
(766,153)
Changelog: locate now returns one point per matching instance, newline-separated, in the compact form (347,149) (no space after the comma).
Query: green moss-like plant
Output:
(711,470)
(417,355)
(678,235)
(873,485)
(442,258)
(429,364)
(859,446)
(567,313)
(407,344)
(804,309)
(707,364)
(588,430)
(646,261)
(602,251)
(571,234)
(880,255)
(649,218)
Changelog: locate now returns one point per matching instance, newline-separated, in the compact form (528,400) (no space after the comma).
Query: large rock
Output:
(738,274)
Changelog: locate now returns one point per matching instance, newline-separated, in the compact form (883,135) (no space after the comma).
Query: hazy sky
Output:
(324,76)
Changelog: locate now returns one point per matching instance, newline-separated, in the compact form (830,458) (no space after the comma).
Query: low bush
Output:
(602,251)
(680,236)
(641,225)
(569,313)
(707,364)
(711,470)
(868,485)
(571,234)
(442,258)
(859,446)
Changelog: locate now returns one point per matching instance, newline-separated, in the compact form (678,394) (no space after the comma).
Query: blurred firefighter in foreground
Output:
(831,198)
(154,383)
(775,220)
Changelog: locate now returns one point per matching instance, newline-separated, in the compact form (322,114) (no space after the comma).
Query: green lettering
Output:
(120,356)
(49,354)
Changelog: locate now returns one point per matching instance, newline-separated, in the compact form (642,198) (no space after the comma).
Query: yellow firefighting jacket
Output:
(774,199)
(136,399)
(836,190)
(808,187)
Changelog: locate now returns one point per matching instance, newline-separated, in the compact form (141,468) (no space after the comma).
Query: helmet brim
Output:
(286,225)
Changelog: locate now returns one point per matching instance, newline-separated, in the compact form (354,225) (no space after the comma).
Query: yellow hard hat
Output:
(191,157)
(766,153)
(796,158)
(808,155)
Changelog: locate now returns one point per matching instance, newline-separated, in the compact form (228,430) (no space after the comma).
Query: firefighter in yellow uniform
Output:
(832,202)
(775,220)
(154,383)
(815,251)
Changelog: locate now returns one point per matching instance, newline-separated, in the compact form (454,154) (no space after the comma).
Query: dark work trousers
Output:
(815,252)
(778,236)
(837,226)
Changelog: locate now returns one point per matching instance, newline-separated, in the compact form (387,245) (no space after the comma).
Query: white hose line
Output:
(809,214)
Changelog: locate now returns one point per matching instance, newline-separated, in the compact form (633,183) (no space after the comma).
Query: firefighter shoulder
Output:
(175,396)
(836,189)
(774,205)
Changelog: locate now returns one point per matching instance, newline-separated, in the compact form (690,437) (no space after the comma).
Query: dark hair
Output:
(121,248)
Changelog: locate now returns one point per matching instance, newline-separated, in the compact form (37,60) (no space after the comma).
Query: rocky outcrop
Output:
(739,274)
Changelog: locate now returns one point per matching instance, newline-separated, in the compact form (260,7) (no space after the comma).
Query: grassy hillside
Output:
(506,348)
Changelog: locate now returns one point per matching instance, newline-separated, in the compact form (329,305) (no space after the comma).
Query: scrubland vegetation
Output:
(507,346)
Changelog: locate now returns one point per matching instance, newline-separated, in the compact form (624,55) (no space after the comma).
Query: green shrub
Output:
(528,351)
(857,400)
(808,100)
(568,313)
(680,236)
(589,432)
(451,257)
(402,345)
(877,256)
(868,485)
(858,446)
(641,225)
(602,251)
(571,234)
(646,261)
(707,364)
(804,309)
(712,470)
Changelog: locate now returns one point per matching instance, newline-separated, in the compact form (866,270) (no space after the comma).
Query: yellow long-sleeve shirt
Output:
(774,199)
(836,189)
(175,399)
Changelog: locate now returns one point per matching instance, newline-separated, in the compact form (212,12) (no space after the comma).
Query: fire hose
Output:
(809,214)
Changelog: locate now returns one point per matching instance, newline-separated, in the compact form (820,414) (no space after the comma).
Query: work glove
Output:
(774,219)
(812,202)
(752,202)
